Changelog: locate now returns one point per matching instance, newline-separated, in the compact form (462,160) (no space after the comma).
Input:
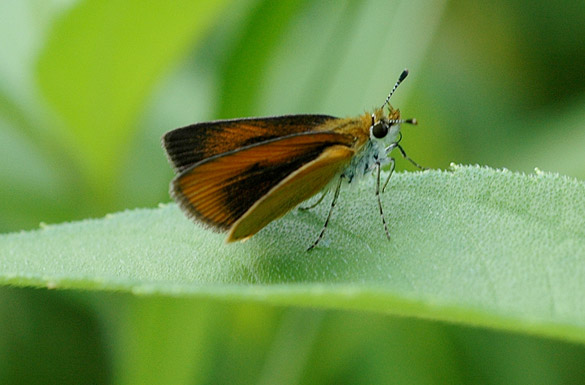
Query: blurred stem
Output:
(161,341)
(291,348)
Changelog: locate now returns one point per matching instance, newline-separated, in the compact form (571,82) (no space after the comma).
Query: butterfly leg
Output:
(397,145)
(409,159)
(304,208)
(392,165)
(388,151)
(335,196)
(378,196)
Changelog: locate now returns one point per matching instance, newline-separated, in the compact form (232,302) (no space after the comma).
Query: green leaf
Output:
(475,246)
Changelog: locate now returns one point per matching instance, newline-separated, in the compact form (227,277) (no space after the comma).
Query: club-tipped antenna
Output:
(401,78)
(412,121)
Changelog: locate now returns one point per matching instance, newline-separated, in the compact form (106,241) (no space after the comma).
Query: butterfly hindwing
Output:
(294,189)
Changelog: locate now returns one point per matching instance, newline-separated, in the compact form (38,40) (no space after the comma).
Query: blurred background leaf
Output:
(88,87)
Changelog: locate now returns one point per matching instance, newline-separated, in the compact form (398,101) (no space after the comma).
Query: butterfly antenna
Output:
(401,78)
(412,121)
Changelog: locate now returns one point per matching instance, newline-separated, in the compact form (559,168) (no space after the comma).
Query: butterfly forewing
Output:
(219,190)
(188,145)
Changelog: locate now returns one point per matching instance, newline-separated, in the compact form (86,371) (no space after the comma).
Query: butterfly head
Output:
(386,128)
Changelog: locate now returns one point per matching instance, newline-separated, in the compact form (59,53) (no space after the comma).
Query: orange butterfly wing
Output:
(188,145)
(294,189)
(221,189)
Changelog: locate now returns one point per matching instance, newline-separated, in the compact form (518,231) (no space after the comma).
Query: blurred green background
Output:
(87,88)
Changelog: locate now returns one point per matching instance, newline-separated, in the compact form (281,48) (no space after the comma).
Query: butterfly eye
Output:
(379,130)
